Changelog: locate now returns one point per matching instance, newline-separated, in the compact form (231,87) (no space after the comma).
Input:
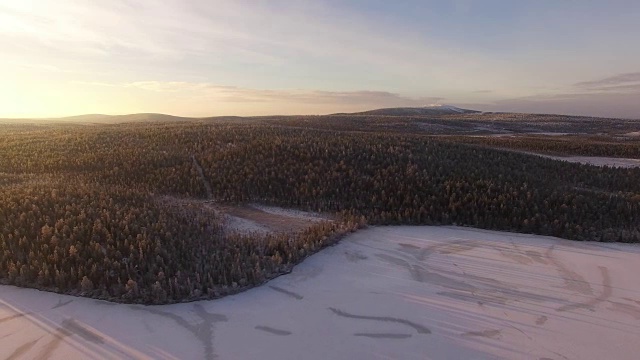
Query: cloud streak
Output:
(249,95)
(612,80)
(301,45)
(623,83)
(608,104)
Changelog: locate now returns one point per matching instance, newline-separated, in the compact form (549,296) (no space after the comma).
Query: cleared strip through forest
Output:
(206,184)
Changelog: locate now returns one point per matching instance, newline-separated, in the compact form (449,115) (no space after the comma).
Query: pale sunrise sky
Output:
(218,57)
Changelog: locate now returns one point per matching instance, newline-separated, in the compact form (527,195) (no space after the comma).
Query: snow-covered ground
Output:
(551,133)
(292,213)
(244,226)
(445,107)
(382,293)
(262,219)
(598,161)
(590,160)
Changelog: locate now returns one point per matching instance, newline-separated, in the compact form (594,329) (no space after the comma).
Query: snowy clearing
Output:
(385,292)
(255,218)
(240,225)
(292,213)
(598,161)
(588,160)
(250,218)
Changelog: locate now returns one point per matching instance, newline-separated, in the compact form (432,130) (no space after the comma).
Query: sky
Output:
(240,57)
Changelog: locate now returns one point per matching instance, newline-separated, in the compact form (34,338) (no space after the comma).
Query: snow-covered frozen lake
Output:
(382,293)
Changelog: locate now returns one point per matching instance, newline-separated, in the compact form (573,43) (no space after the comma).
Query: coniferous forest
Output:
(84,209)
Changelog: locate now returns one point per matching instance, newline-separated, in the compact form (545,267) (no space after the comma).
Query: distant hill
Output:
(154,117)
(103,119)
(424,110)
(143,117)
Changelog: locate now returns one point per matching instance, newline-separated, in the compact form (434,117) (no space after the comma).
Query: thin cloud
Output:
(619,88)
(602,104)
(249,95)
(202,37)
(622,82)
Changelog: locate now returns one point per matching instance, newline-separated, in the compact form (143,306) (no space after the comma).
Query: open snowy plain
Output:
(382,293)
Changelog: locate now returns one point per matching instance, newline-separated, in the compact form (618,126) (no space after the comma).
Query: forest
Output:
(83,208)
(585,145)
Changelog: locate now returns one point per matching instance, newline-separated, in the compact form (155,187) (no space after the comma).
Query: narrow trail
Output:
(207,186)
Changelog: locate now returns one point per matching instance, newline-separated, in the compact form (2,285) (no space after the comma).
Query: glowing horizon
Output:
(207,58)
